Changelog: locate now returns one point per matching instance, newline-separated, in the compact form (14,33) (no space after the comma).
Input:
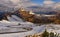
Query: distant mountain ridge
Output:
(3,15)
(24,15)
(47,13)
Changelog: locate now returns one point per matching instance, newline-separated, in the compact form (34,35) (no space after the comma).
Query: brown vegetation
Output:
(32,18)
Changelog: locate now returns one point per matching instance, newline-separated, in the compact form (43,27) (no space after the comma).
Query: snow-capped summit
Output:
(31,12)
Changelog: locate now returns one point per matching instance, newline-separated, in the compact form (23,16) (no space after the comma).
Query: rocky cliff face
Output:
(3,16)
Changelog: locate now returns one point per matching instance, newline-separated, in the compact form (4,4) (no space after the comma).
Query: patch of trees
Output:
(45,34)
(51,34)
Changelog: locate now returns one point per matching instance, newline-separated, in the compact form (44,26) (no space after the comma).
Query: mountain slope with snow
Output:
(35,30)
(17,27)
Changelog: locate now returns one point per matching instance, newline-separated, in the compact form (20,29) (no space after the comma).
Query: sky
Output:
(8,4)
(38,1)
(19,3)
(41,1)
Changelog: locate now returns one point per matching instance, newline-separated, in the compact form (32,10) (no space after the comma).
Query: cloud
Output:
(8,5)
(15,4)
(57,6)
(51,5)
(48,2)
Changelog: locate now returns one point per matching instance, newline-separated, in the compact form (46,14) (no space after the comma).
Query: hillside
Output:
(19,15)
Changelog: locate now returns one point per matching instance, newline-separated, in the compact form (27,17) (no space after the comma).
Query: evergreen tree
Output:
(51,34)
(57,35)
(45,34)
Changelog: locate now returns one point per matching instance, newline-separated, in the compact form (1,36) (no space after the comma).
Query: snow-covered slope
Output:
(16,24)
(10,18)
(7,23)
(14,18)
(12,26)
(53,28)
(17,18)
(35,30)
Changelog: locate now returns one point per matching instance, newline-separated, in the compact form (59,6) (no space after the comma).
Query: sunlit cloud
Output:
(16,3)
(52,4)
(48,2)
